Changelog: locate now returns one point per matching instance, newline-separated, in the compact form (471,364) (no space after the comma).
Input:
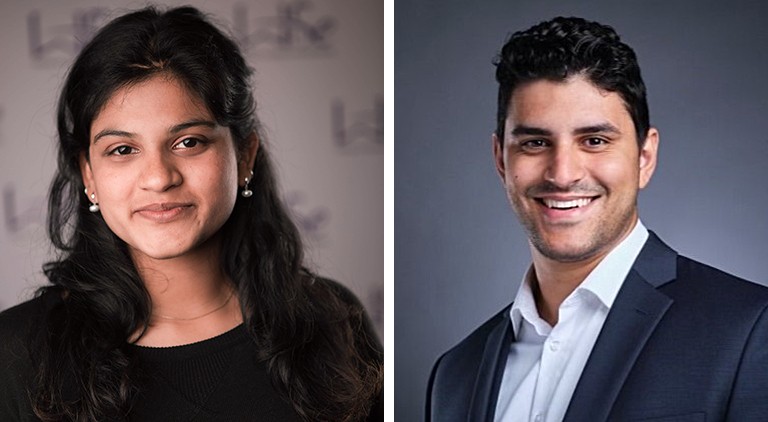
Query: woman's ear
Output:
(248,157)
(86,173)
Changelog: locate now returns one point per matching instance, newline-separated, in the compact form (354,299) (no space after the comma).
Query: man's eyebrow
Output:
(536,131)
(599,128)
(529,130)
(172,130)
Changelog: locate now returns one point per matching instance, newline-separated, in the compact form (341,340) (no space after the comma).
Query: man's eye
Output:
(534,143)
(122,150)
(594,142)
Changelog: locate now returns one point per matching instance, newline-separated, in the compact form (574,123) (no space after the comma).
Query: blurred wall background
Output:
(319,85)
(459,251)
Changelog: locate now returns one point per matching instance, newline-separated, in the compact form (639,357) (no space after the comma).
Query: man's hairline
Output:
(582,73)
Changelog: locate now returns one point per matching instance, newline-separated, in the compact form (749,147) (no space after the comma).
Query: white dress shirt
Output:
(545,363)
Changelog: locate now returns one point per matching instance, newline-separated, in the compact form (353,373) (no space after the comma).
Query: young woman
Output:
(179,293)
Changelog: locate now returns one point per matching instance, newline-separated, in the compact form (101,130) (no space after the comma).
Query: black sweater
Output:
(214,380)
(218,379)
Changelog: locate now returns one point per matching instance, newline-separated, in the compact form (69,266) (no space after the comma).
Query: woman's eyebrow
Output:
(193,123)
(112,132)
(172,130)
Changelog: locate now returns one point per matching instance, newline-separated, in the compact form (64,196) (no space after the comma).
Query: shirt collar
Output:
(604,281)
(524,308)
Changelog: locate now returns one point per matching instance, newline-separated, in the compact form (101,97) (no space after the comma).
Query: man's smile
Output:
(565,204)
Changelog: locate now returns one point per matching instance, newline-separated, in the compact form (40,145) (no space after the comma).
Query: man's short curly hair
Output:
(562,47)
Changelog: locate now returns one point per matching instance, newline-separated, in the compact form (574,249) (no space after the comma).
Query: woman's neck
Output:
(192,298)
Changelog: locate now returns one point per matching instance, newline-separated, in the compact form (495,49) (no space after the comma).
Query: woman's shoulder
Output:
(18,325)
(367,342)
(359,318)
(19,318)
(338,290)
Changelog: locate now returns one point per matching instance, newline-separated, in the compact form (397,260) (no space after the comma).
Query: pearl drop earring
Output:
(94,205)
(247,193)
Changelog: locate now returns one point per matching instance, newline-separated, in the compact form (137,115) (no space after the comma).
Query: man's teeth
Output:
(573,203)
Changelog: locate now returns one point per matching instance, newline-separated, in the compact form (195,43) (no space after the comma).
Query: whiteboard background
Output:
(319,88)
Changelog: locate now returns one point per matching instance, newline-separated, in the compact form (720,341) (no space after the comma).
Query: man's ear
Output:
(648,156)
(498,155)
(248,157)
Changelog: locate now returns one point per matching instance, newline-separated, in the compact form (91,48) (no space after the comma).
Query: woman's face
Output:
(164,173)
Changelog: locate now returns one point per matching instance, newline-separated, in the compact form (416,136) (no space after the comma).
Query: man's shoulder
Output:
(706,300)
(453,379)
(466,355)
(684,278)
(701,281)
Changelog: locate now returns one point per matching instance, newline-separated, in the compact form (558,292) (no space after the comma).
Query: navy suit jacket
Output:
(682,342)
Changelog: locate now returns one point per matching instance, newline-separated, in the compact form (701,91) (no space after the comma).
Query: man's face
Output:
(572,167)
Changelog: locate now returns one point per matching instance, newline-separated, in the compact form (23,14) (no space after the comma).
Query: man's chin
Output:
(563,251)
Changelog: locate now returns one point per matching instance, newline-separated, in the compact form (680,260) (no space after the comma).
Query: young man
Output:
(609,322)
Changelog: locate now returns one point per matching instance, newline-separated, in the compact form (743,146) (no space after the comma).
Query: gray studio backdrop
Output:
(459,251)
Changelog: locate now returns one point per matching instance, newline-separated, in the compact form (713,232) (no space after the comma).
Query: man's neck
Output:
(554,281)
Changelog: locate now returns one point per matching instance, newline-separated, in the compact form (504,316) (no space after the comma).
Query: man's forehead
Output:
(570,104)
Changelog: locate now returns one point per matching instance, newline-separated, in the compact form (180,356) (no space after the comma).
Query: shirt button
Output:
(539,417)
(554,345)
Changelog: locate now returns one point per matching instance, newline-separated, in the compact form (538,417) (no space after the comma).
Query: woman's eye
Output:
(188,143)
(122,150)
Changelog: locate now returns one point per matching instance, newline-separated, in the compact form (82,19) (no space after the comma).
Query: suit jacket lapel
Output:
(637,310)
(490,372)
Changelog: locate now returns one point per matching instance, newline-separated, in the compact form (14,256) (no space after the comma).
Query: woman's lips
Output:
(163,212)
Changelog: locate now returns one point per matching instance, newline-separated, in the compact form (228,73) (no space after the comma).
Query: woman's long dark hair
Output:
(307,335)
